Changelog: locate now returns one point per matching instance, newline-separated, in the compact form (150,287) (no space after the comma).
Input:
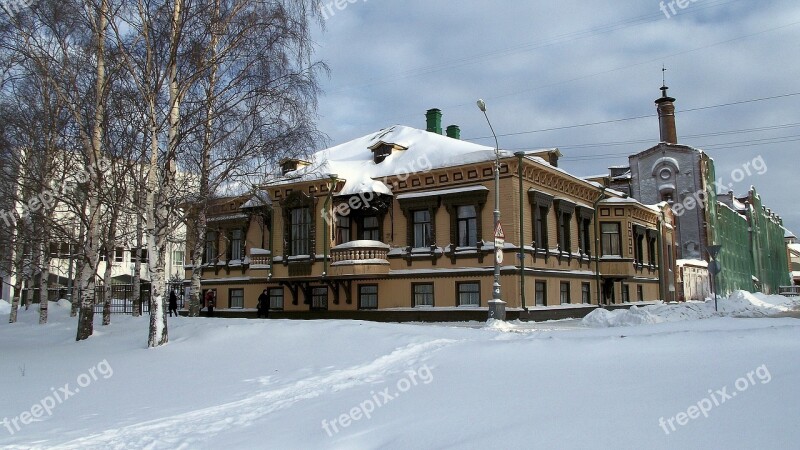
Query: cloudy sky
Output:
(579,76)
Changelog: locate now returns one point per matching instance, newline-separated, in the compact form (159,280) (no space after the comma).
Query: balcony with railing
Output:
(359,258)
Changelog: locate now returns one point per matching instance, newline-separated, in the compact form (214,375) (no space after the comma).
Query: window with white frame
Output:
(422,228)
(237,298)
(469,294)
(423,294)
(368,296)
(276,298)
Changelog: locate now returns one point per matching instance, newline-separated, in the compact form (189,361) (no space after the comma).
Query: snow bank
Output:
(64,303)
(5,307)
(738,304)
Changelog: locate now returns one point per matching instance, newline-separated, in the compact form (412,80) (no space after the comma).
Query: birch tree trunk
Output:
(92,244)
(160,215)
(107,292)
(201,219)
(76,287)
(15,300)
(137,263)
(43,279)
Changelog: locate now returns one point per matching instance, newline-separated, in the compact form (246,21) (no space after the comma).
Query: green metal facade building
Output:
(754,254)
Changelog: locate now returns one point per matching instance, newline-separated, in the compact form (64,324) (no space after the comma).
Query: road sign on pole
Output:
(499,237)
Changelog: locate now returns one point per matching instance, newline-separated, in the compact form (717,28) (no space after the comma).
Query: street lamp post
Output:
(714,267)
(497,307)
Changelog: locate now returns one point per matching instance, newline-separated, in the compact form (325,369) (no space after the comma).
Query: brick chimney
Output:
(434,120)
(666,117)
(453,131)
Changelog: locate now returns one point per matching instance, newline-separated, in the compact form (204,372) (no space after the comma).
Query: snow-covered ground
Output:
(656,377)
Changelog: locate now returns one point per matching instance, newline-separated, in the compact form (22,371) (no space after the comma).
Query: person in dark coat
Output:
(263,304)
(173,304)
(210,302)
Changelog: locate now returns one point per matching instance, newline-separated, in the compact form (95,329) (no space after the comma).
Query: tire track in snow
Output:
(188,430)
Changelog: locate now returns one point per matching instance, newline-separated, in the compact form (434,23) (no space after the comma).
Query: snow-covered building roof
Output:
(411,150)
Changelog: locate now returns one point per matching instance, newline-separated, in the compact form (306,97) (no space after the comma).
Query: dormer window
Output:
(382,149)
(380,153)
(290,165)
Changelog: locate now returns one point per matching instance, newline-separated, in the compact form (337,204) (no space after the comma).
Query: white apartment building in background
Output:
(64,257)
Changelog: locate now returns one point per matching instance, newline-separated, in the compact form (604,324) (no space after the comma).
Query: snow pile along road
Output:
(5,307)
(738,304)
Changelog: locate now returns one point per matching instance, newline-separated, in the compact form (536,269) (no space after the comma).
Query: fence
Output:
(121,297)
(789,291)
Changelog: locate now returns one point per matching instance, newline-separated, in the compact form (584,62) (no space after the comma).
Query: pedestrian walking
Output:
(263,304)
(210,299)
(173,304)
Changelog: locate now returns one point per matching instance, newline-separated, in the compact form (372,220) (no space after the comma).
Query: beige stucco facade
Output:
(295,244)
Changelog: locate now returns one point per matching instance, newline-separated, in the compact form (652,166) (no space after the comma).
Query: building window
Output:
(564,211)
(422,228)
(423,295)
(236,298)
(565,293)
(467,226)
(626,293)
(638,244)
(119,255)
(564,231)
(611,239)
(342,229)
(381,152)
(584,216)
(236,245)
(586,293)
(639,293)
(541,293)
(370,229)
(540,227)
(540,205)
(368,296)
(651,251)
(300,231)
(211,247)
(177,258)
(319,298)
(469,294)
(276,298)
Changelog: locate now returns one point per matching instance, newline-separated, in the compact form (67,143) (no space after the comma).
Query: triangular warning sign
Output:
(498,232)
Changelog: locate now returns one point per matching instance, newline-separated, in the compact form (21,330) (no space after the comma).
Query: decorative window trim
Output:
(411,205)
(565,209)
(451,203)
(538,201)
